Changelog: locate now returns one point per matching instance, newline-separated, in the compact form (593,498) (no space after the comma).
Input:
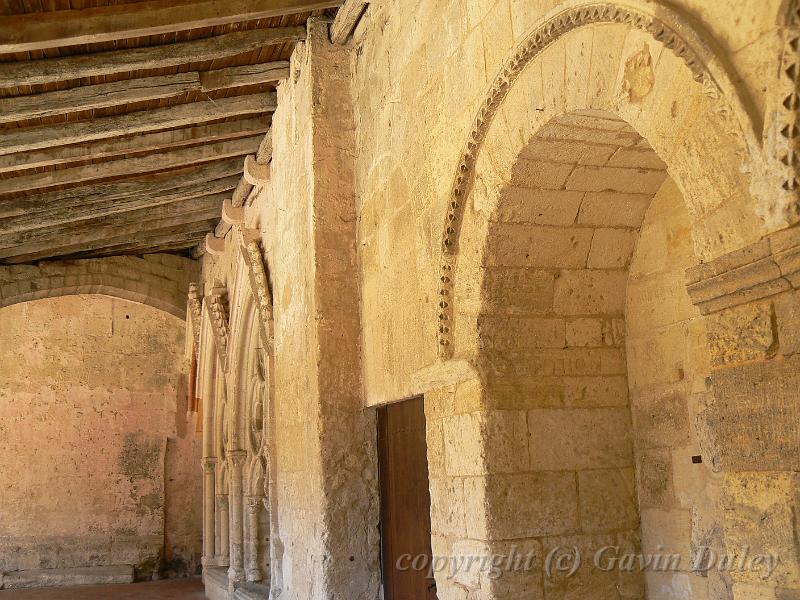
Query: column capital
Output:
(254,502)
(237,458)
(222,501)
(209,464)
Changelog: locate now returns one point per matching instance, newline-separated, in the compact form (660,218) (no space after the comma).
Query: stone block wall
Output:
(98,453)
(536,293)
(304,219)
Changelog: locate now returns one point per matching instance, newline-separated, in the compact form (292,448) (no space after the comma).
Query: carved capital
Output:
(217,309)
(254,503)
(237,459)
(209,465)
(222,502)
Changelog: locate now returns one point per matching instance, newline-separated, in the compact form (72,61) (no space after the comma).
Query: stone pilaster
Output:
(252,568)
(236,570)
(222,545)
(209,468)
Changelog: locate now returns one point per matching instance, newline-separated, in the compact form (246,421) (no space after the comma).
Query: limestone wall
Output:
(446,216)
(420,75)
(325,506)
(100,462)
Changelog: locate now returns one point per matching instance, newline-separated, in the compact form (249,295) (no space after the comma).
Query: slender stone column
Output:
(209,530)
(252,568)
(236,570)
(224,528)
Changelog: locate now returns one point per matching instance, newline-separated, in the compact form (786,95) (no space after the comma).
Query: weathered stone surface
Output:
(94,421)
(67,577)
(755,415)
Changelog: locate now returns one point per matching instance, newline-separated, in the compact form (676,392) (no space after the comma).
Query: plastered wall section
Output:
(98,464)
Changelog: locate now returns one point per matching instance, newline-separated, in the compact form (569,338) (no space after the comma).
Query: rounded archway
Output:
(592,360)
(611,153)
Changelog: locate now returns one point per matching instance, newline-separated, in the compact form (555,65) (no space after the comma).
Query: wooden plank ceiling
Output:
(124,123)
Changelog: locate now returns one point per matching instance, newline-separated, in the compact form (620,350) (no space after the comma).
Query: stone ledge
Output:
(765,268)
(251,591)
(215,581)
(32,578)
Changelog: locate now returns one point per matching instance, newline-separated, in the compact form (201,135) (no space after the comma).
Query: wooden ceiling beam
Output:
(346,20)
(87,234)
(232,77)
(173,243)
(172,238)
(52,70)
(39,31)
(117,93)
(182,115)
(147,142)
(58,216)
(141,188)
(196,155)
(90,97)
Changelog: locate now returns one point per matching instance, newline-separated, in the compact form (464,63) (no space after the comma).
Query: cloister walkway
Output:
(180,589)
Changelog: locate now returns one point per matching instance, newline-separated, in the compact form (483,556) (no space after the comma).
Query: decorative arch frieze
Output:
(217,309)
(738,116)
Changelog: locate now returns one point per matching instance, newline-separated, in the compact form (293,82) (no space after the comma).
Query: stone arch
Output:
(646,65)
(567,406)
(248,390)
(157,280)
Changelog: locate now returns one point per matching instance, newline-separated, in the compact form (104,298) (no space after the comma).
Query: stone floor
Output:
(182,589)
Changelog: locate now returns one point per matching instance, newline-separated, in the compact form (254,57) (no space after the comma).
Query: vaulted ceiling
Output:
(124,124)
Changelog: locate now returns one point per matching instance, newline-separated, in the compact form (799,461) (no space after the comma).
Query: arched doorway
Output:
(593,362)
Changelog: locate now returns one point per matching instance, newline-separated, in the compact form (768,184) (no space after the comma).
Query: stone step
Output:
(31,578)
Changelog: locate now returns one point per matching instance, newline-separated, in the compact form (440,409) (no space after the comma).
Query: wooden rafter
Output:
(53,70)
(116,93)
(195,155)
(158,240)
(39,31)
(346,20)
(148,142)
(86,235)
(66,204)
(47,136)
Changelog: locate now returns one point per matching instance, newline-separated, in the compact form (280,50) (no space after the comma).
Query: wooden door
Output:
(405,501)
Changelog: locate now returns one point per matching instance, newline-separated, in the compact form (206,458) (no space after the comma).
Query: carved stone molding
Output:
(209,465)
(654,18)
(237,458)
(222,501)
(259,283)
(763,269)
(788,147)
(217,309)
(195,312)
(254,503)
